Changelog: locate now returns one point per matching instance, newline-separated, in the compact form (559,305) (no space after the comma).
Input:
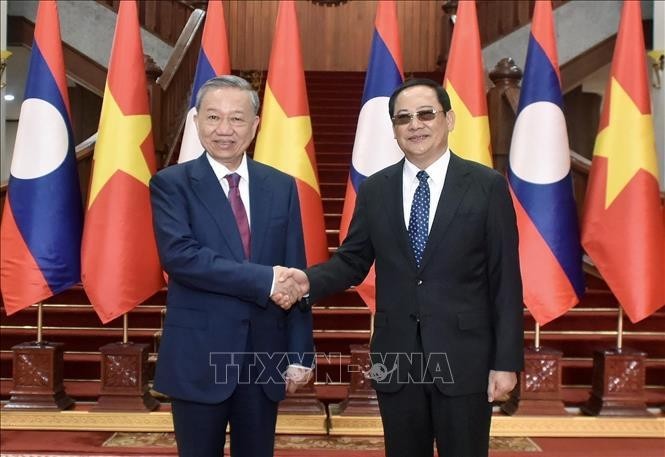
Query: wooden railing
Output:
(166,19)
(495,20)
(174,88)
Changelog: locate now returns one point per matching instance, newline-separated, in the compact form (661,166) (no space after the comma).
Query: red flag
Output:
(120,266)
(622,227)
(465,84)
(285,139)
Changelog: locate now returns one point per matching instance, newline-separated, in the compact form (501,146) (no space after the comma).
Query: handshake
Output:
(290,285)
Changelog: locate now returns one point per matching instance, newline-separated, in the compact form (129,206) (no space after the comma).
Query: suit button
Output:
(419,282)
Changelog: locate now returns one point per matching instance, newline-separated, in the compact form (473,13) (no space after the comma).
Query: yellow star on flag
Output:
(470,137)
(119,146)
(627,142)
(280,133)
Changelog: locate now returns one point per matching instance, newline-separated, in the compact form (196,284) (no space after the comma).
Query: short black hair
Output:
(441,93)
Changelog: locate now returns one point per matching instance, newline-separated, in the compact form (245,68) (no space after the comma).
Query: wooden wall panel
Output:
(333,37)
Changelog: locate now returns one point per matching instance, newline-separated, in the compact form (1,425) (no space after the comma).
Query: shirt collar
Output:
(221,171)
(436,171)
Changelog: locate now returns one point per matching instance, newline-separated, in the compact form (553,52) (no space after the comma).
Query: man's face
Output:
(422,141)
(226,124)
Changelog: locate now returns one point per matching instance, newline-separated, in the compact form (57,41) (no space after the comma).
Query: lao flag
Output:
(541,184)
(42,218)
(375,146)
(213,61)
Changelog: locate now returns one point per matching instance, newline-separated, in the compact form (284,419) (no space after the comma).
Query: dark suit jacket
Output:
(467,294)
(217,303)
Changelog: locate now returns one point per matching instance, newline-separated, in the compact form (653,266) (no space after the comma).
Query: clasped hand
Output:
(291,285)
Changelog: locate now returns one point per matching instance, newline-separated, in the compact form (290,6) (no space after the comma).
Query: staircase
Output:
(340,320)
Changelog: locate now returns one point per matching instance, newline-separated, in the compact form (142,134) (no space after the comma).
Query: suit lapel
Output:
(454,189)
(394,206)
(208,189)
(259,206)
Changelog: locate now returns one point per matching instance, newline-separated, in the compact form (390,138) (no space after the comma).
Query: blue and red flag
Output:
(213,61)
(42,217)
(375,146)
(541,184)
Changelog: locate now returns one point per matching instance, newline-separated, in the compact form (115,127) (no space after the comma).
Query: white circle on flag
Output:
(539,151)
(191,147)
(375,146)
(41,140)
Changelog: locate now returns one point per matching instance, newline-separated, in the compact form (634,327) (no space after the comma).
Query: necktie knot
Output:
(233,179)
(422,176)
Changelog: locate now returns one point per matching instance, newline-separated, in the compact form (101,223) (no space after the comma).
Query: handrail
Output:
(181,47)
(163,19)
(175,86)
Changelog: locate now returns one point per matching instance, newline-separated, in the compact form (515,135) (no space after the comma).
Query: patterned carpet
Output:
(33,443)
(295,442)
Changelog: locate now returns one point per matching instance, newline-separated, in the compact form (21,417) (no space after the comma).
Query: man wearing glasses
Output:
(448,336)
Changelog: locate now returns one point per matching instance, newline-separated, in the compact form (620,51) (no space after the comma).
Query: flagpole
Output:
(620,329)
(125,326)
(371,326)
(536,341)
(39,322)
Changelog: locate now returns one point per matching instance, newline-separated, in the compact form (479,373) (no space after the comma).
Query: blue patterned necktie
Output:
(419,218)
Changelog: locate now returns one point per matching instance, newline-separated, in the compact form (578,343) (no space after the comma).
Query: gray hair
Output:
(220,82)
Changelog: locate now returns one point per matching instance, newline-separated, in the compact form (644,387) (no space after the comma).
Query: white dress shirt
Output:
(437,177)
(243,185)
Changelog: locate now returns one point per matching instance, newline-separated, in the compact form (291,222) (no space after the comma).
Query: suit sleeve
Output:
(353,259)
(505,283)
(192,264)
(299,321)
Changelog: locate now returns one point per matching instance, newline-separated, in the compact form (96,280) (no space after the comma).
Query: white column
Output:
(658,95)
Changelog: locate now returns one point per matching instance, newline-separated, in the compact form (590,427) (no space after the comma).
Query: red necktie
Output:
(239,211)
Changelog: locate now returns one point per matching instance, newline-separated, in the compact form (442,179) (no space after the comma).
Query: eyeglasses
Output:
(424,115)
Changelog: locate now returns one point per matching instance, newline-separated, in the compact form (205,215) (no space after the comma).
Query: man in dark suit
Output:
(448,332)
(221,222)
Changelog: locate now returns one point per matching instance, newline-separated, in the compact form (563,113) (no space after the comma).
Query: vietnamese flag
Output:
(622,229)
(285,139)
(465,83)
(120,266)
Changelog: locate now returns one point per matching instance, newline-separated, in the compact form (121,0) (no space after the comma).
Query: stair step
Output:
(334,118)
(334,157)
(333,204)
(350,111)
(78,339)
(84,316)
(333,189)
(340,174)
(335,136)
(332,220)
